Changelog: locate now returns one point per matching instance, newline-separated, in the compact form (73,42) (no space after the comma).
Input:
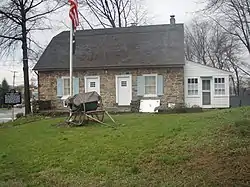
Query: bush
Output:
(54,113)
(135,105)
(19,115)
(180,109)
(40,105)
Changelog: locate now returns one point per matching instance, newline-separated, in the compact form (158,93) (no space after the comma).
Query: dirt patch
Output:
(222,168)
(223,160)
(226,162)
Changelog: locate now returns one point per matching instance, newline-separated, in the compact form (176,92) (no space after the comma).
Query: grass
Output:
(4,109)
(202,149)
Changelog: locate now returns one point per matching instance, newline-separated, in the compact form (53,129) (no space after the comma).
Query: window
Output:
(123,83)
(150,85)
(92,84)
(219,86)
(66,86)
(192,86)
(206,85)
(63,86)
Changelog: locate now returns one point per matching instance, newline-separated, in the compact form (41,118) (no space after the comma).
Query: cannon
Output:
(85,107)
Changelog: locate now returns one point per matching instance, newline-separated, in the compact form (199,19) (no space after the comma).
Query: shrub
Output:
(40,105)
(179,109)
(135,105)
(19,115)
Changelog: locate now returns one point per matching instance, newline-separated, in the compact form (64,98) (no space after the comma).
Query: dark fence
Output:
(39,105)
(237,101)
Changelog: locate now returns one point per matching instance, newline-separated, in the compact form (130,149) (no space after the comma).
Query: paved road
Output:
(6,115)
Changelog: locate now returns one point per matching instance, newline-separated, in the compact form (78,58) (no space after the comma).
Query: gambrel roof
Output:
(136,46)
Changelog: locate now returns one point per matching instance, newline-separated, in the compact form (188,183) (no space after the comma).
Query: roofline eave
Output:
(111,67)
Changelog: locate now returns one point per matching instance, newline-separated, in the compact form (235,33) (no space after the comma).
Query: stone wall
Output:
(173,84)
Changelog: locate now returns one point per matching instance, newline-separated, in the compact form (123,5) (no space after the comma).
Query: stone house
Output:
(121,64)
(145,63)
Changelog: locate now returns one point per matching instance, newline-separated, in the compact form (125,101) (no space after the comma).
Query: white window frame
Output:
(216,89)
(156,83)
(63,78)
(193,84)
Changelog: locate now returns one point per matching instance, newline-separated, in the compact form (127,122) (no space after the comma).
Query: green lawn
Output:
(202,149)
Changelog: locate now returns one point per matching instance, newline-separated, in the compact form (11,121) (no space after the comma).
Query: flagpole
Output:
(71,61)
(73,14)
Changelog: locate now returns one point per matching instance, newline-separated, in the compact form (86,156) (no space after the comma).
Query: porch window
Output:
(150,85)
(193,86)
(219,86)
(66,86)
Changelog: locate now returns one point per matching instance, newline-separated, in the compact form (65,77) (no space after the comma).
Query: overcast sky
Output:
(160,10)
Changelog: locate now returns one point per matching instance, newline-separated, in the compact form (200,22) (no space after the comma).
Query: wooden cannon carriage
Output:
(85,107)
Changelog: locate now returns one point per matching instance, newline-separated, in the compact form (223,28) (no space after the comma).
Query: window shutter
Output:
(75,86)
(59,87)
(140,85)
(160,85)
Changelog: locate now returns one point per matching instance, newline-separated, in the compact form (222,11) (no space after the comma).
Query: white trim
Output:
(65,77)
(156,85)
(209,67)
(150,74)
(117,86)
(92,77)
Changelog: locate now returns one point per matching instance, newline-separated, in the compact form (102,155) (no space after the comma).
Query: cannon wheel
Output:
(98,114)
(76,118)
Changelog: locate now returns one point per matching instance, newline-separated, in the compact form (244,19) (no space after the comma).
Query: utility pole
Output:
(14,77)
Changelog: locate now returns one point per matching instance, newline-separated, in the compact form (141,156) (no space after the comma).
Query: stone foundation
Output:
(173,85)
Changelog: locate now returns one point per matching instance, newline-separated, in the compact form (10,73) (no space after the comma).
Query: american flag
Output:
(73,13)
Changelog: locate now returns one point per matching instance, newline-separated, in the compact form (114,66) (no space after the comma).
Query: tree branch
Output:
(55,8)
(86,20)
(11,38)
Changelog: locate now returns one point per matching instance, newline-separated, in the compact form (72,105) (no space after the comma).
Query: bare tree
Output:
(113,13)
(19,19)
(207,43)
(196,41)
(139,14)
(235,15)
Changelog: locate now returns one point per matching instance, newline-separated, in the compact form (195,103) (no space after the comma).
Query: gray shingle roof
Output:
(154,45)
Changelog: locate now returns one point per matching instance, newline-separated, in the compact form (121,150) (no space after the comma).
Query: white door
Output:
(124,90)
(206,92)
(92,83)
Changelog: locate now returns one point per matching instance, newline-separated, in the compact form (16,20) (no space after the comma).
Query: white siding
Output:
(195,70)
